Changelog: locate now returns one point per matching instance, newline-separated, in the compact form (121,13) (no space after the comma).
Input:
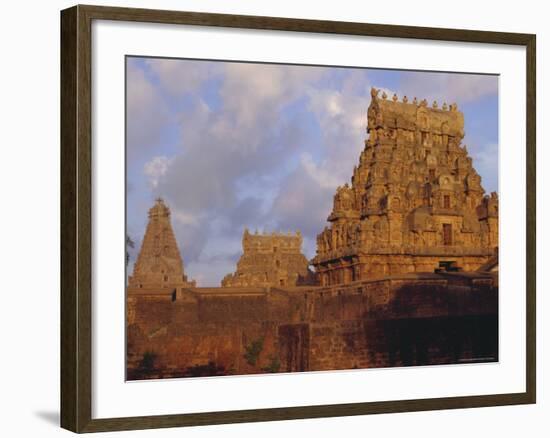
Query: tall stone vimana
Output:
(415,199)
(159,263)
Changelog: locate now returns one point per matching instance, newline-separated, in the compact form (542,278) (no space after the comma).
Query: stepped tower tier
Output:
(159,263)
(415,199)
(268,260)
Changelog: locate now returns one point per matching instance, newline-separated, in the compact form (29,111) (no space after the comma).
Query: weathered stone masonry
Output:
(159,263)
(273,259)
(414,201)
(405,320)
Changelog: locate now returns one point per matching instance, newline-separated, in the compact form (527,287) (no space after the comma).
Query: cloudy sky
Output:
(229,145)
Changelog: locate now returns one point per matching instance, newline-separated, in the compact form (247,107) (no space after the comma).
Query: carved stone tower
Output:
(159,263)
(415,199)
(271,260)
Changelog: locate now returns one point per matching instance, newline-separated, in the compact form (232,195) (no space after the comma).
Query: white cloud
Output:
(485,161)
(155,169)
(179,76)
(252,93)
(341,114)
(319,173)
(147,113)
(246,136)
(303,204)
(305,198)
(244,139)
(186,218)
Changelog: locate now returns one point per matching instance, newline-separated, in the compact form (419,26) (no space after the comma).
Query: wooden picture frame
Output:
(76,217)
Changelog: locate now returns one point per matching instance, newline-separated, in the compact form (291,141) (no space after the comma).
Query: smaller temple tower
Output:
(274,259)
(159,263)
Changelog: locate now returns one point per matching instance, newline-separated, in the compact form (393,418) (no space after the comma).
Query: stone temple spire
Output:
(159,263)
(415,199)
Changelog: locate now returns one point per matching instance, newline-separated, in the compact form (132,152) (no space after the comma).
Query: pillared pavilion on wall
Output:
(271,259)
(415,199)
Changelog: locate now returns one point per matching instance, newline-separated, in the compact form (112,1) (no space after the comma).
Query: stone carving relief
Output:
(413,170)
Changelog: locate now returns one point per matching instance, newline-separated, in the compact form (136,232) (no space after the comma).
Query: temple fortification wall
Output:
(400,320)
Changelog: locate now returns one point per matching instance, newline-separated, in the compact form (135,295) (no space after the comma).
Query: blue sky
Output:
(232,145)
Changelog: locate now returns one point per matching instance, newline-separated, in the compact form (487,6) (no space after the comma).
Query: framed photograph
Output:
(269,218)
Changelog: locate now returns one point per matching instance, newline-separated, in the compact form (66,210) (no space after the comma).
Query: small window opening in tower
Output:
(447,234)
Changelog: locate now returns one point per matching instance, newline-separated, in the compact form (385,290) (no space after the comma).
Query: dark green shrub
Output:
(274,365)
(148,360)
(253,351)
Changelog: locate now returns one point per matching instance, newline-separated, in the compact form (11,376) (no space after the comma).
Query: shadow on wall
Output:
(448,317)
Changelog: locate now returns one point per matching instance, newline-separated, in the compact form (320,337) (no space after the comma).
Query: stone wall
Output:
(407,320)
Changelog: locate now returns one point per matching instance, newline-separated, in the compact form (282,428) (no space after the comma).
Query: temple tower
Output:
(274,259)
(415,199)
(159,263)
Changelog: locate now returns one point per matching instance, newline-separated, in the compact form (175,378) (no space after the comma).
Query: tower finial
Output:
(374,93)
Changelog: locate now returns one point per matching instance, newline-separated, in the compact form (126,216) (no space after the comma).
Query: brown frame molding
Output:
(76,188)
